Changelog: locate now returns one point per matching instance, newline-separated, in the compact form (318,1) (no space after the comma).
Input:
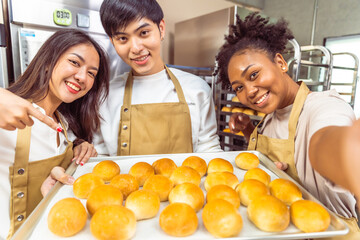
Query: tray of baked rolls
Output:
(237,195)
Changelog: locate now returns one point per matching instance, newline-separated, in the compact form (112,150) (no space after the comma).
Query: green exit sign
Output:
(62,17)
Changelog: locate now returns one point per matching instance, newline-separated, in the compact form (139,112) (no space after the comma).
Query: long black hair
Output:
(82,114)
(255,33)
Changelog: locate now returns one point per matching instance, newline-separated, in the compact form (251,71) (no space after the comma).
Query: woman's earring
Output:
(284,68)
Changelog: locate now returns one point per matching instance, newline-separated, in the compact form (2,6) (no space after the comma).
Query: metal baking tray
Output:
(35,227)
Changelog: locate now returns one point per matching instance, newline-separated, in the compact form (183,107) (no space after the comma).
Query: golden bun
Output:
(237,109)
(217,178)
(178,219)
(251,189)
(106,169)
(160,184)
(246,160)
(113,222)
(185,174)
(221,219)
(144,203)
(84,184)
(249,112)
(196,163)
(103,195)
(223,192)
(141,171)
(67,217)
(269,214)
(261,114)
(227,130)
(226,109)
(258,174)
(309,216)
(188,193)
(126,183)
(235,99)
(164,166)
(220,165)
(285,190)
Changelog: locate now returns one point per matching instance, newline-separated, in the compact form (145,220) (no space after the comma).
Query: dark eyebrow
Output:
(83,60)
(243,73)
(137,29)
(247,68)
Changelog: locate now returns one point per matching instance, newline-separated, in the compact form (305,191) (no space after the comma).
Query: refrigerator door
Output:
(3,65)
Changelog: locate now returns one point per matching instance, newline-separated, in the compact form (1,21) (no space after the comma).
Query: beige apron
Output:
(155,128)
(27,177)
(283,150)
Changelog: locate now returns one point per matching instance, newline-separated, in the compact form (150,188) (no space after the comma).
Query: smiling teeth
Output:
(141,59)
(262,99)
(73,86)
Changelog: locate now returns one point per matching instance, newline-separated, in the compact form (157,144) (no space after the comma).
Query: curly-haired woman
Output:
(251,63)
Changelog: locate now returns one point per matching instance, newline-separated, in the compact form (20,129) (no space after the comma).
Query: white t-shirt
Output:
(321,109)
(43,145)
(158,88)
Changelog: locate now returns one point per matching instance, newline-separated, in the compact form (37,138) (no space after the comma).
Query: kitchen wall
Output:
(334,17)
(176,11)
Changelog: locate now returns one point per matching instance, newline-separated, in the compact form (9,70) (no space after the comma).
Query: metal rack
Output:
(321,59)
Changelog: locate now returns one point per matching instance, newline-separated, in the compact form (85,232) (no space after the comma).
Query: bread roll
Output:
(246,160)
(217,178)
(251,189)
(103,195)
(160,184)
(261,114)
(220,165)
(240,133)
(309,216)
(269,214)
(221,219)
(113,222)
(84,184)
(126,183)
(237,109)
(144,203)
(164,166)
(141,171)
(226,109)
(67,217)
(196,163)
(258,174)
(185,174)
(285,190)
(188,193)
(227,130)
(249,112)
(178,219)
(106,169)
(235,99)
(223,192)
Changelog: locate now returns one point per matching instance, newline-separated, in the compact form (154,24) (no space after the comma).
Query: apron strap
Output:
(176,83)
(297,108)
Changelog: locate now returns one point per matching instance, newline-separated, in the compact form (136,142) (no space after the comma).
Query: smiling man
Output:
(151,109)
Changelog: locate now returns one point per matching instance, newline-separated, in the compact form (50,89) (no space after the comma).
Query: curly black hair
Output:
(255,33)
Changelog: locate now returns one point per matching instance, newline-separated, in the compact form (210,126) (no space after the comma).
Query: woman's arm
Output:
(15,112)
(334,152)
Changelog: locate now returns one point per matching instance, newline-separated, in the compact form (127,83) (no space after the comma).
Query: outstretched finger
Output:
(43,118)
